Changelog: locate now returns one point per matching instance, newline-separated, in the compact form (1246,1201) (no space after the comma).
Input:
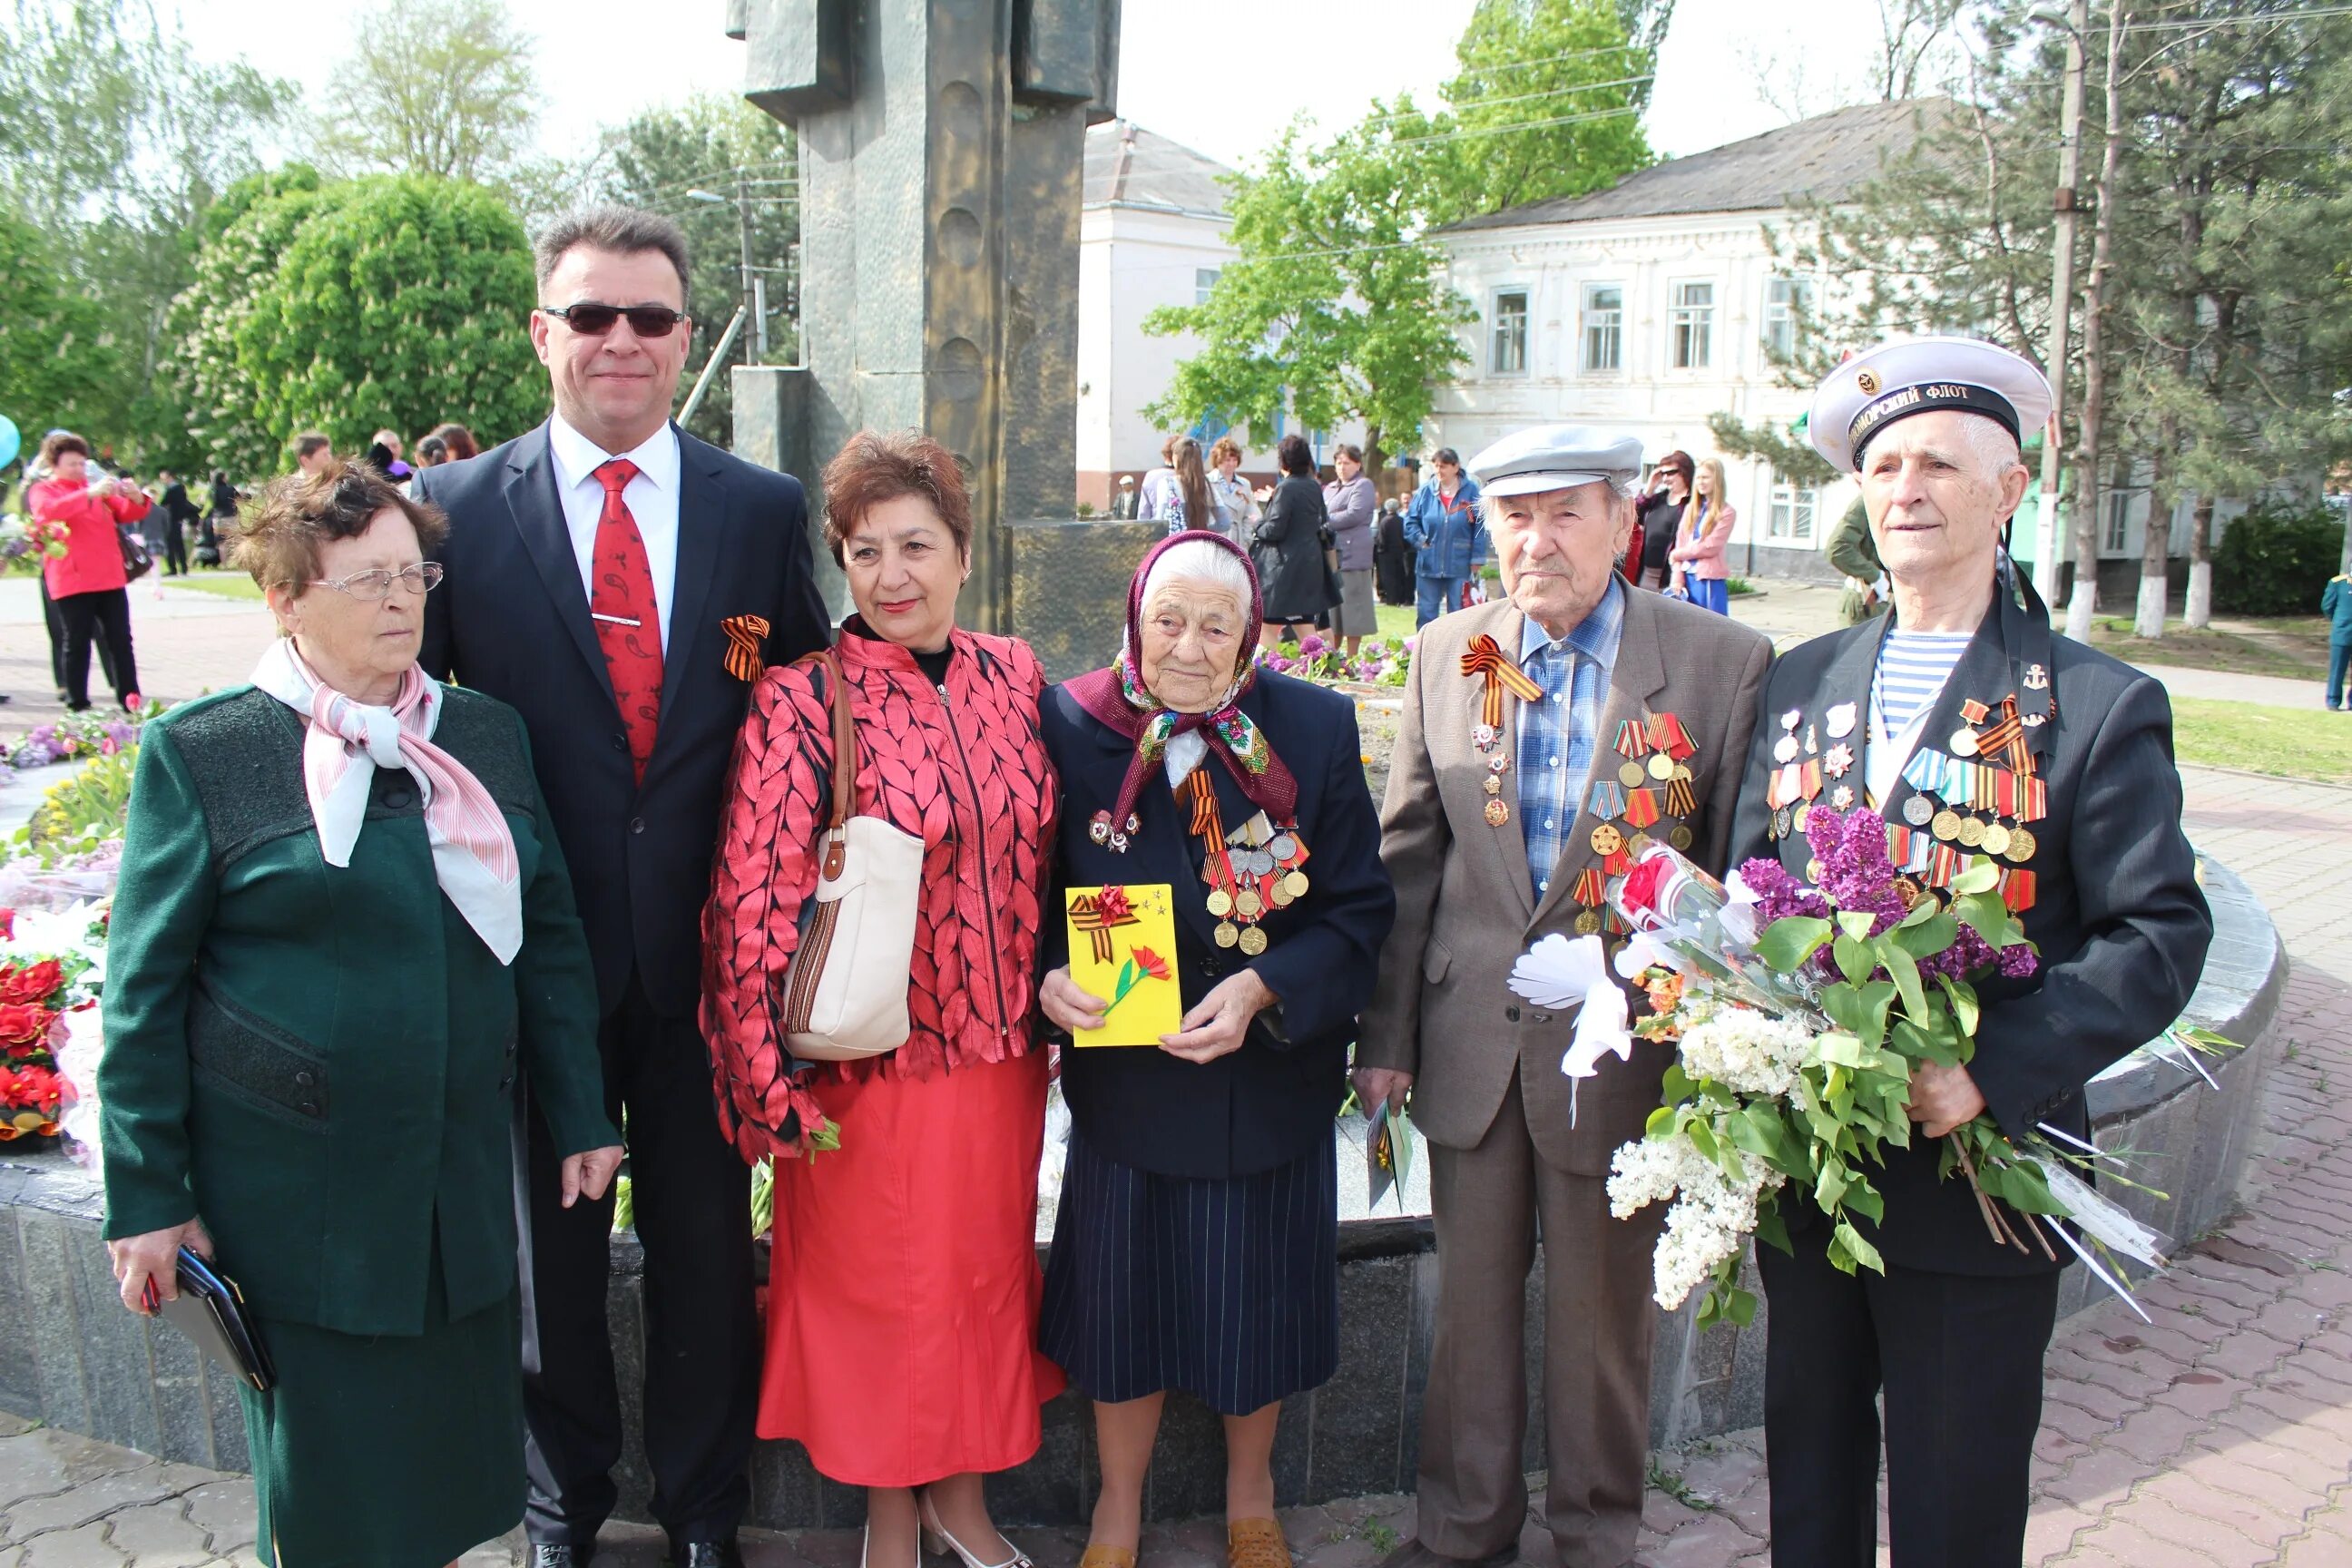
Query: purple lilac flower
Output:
(1780,895)
(1311,644)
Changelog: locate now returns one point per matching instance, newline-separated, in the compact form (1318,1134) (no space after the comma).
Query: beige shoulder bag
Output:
(846,998)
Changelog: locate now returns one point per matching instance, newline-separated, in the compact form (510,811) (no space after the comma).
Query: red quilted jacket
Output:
(965,772)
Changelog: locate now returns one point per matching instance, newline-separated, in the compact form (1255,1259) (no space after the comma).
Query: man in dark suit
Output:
(1975,732)
(621,583)
(178,511)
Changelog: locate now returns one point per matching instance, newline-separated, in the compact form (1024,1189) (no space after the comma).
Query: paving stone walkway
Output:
(2220,1436)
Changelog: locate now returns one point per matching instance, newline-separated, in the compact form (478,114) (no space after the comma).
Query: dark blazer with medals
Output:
(1270,1101)
(511,619)
(2114,912)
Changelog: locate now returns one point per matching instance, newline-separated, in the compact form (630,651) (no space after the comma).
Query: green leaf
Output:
(1839,1050)
(1856,923)
(1986,915)
(1963,998)
(1980,875)
(1770,1228)
(1905,974)
(1863,1199)
(1925,938)
(1863,1255)
(1788,942)
(1854,958)
(1739,1306)
(1678,1085)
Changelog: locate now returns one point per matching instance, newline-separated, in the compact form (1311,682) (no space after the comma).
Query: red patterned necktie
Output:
(628,624)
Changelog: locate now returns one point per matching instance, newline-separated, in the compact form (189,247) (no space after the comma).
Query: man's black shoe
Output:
(563,1554)
(703,1554)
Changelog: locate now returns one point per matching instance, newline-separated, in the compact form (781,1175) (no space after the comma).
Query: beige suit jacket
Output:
(1443,1010)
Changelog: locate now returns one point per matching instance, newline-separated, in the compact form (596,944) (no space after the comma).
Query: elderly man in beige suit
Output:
(1544,736)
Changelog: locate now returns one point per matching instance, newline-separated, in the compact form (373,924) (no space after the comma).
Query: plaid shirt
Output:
(1559,735)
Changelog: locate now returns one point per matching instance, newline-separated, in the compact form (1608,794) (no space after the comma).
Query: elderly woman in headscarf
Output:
(1196,1244)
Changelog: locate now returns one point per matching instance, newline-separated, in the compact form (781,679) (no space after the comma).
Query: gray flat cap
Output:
(1554,458)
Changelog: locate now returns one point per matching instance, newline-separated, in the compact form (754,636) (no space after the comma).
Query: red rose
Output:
(21,983)
(1644,882)
(23,1023)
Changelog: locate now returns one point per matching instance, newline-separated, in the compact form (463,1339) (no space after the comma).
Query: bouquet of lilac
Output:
(1802,1087)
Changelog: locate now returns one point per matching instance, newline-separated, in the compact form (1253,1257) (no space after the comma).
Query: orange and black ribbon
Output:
(1486,658)
(1587,890)
(1087,914)
(2008,737)
(1681,801)
(745,634)
(1202,795)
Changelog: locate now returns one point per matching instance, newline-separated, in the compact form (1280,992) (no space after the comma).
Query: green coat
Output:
(320,1062)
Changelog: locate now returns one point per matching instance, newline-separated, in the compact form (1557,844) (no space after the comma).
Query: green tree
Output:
(669,161)
(393,300)
(114,141)
(53,367)
(1547,101)
(442,88)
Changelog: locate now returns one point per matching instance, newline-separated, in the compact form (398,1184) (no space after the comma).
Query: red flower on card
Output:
(1151,964)
(1112,904)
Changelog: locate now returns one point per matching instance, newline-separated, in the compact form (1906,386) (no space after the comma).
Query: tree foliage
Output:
(1337,307)
(441,87)
(707,144)
(55,367)
(393,300)
(114,141)
(2223,314)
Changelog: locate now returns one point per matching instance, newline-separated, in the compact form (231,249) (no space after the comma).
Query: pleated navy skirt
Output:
(1228,1288)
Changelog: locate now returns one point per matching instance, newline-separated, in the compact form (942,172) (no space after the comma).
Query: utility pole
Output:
(2061,298)
(755,286)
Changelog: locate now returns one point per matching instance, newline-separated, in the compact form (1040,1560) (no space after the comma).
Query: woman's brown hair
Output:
(873,468)
(278,536)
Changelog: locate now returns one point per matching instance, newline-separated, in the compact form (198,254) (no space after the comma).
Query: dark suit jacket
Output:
(1271,1101)
(2117,917)
(511,619)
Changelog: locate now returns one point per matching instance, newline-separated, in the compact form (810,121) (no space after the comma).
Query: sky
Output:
(1201,71)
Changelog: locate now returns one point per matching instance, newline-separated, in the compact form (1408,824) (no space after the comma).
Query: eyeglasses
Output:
(595,320)
(422,578)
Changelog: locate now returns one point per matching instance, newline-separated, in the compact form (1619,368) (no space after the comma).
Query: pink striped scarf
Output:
(474,856)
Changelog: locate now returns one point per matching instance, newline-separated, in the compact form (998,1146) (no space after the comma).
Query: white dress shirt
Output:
(652,499)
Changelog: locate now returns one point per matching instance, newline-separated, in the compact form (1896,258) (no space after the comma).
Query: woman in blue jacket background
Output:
(1442,524)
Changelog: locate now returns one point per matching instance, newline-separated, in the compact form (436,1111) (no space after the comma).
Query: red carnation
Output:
(1151,964)
(20,982)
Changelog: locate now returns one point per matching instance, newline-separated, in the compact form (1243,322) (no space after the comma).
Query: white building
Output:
(1151,233)
(1648,306)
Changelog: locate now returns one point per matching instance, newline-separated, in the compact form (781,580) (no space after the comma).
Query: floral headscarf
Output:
(1118,697)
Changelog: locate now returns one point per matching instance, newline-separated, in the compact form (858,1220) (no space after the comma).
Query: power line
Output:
(1519,98)
(1553,60)
(2250,19)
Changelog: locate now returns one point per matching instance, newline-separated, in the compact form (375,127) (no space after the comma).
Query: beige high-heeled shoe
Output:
(941,1543)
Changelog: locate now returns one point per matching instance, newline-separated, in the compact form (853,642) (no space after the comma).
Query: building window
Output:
(1694,326)
(1785,299)
(1204,281)
(1510,352)
(1604,323)
(2118,515)
(1791,520)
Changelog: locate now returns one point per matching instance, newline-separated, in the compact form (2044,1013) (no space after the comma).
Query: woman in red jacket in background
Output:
(903,1290)
(87,582)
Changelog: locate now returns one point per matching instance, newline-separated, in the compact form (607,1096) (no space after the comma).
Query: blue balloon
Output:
(11,442)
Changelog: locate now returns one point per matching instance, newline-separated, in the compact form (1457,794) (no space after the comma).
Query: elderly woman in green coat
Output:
(344,939)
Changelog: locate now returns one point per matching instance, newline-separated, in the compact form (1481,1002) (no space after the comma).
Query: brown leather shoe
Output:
(1256,1544)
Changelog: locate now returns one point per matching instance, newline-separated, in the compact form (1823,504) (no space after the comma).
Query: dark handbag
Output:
(136,561)
(210,1309)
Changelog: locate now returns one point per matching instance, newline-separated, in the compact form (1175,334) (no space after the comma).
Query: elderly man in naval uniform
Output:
(1545,736)
(1975,732)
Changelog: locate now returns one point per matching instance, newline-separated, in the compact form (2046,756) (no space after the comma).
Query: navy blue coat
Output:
(511,620)
(1274,1100)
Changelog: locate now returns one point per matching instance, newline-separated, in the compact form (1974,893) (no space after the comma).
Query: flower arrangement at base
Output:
(1379,661)
(1799,1014)
(50,968)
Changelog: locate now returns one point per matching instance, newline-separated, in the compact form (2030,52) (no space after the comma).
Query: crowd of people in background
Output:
(1423,543)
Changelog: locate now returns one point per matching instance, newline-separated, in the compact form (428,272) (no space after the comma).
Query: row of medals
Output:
(1607,838)
(1255,849)
(1997,838)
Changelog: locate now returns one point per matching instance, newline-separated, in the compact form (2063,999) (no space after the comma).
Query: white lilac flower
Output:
(1748,1051)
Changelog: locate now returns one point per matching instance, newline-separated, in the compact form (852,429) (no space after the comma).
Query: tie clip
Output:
(617,620)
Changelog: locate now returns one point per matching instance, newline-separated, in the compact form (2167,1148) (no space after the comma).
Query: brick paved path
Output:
(2221,1435)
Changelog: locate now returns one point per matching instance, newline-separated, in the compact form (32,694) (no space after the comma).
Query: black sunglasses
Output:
(595,320)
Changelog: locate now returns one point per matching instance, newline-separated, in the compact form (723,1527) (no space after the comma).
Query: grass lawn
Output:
(2294,647)
(227,584)
(2290,743)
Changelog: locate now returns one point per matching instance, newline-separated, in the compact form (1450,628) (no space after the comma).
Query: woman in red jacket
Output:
(904,1288)
(87,582)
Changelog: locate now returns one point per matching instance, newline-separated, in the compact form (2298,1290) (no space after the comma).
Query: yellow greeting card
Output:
(1123,949)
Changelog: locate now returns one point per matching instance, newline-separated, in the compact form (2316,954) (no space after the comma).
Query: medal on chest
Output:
(1250,871)
(1651,788)
(1486,662)
(1978,795)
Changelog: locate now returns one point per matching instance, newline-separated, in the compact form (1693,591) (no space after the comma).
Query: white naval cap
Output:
(1918,376)
(1554,458)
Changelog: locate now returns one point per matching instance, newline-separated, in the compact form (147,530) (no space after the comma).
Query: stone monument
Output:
(942,144)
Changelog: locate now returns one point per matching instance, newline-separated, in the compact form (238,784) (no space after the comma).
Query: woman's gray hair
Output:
(1198,561)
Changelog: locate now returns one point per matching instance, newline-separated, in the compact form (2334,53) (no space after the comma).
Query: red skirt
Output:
(904,1286)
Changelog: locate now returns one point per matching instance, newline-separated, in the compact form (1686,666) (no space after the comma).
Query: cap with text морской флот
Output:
(1919,375)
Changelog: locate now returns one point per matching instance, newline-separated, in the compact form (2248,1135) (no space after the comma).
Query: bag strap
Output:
(845,759)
